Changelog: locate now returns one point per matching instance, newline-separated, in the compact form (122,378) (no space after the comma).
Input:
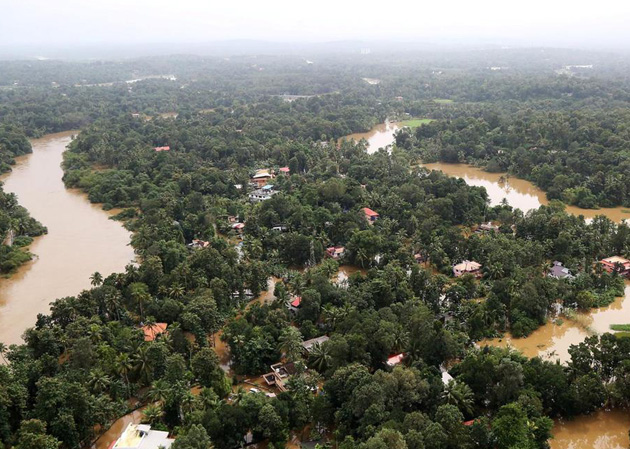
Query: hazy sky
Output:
(555,22)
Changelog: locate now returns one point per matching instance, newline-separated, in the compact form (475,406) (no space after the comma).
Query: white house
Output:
(140,436)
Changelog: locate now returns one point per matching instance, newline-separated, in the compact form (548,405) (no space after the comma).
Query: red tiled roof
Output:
(152,331)
(296,302)
(284,169)
(395,359)
(469,423)
(369,212)
(166,148)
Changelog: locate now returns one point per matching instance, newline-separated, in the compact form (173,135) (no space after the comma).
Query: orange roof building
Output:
(370,215)
(152,331)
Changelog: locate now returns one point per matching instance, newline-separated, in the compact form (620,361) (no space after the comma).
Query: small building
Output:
(558,271)
(261,178)
(310,344)
(280,373)
(335,252)
(140,436)
(486,228)
(238,227)
(395,359)
(467,267)
(370,215)
(294,304)
(160,149)
(284,170)
(263,194)
(198,244)
(616,264)
(232,219)
(153,331)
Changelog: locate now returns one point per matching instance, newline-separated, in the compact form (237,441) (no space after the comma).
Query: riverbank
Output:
(81,239)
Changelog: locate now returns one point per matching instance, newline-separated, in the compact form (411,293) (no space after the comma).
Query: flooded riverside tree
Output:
(384,273)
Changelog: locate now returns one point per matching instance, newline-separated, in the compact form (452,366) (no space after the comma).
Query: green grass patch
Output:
(442,100)
(622,334)
(620,327)
(625,211)
(415,122)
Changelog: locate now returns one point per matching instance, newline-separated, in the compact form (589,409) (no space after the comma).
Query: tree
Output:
(96,279)
(206,368)
(194,438)
(32,435)
(460,395)
(291,343)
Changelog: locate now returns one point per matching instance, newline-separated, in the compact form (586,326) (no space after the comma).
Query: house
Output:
(370,215)
(467,267)
(198,244)
(309,344)
(280,228)
(395,359)
(446,377)
(159,149)
(485,228)
(153,331)
(238,227)
(284,170)
(336,252)
(616,264)
(280,373)
(261,178)
(558,271)
(294,304)
(262,194)
(232,219)
(140,436)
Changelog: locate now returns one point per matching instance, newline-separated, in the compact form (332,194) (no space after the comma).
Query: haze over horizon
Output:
(70,23)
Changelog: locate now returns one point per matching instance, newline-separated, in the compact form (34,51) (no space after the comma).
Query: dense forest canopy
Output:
(82,365)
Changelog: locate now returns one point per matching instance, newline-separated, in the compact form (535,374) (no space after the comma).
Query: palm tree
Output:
(142,364)
(159,391)
(124,366)
(460,395)
(176,291)
(152,414)
(98,381)
(96,279)
(320,357)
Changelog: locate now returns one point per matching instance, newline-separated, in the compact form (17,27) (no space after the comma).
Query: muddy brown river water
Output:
(81,239)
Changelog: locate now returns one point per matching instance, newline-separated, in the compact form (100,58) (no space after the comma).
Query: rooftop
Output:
(616,259)
(369,212)
(140,436)
(467,265)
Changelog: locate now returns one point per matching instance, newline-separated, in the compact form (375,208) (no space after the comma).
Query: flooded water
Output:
(599,430)
(114,432)
(519,193)
(81,239)
(378,137)
(552,340)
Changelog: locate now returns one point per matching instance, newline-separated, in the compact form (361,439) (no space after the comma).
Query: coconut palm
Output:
(320,357)
(152,414)
(96,279)
(159,391)
(142,364)
(460,395)
(98,381)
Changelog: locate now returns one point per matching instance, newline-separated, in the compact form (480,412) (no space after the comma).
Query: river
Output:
(81,239)
(601,430)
